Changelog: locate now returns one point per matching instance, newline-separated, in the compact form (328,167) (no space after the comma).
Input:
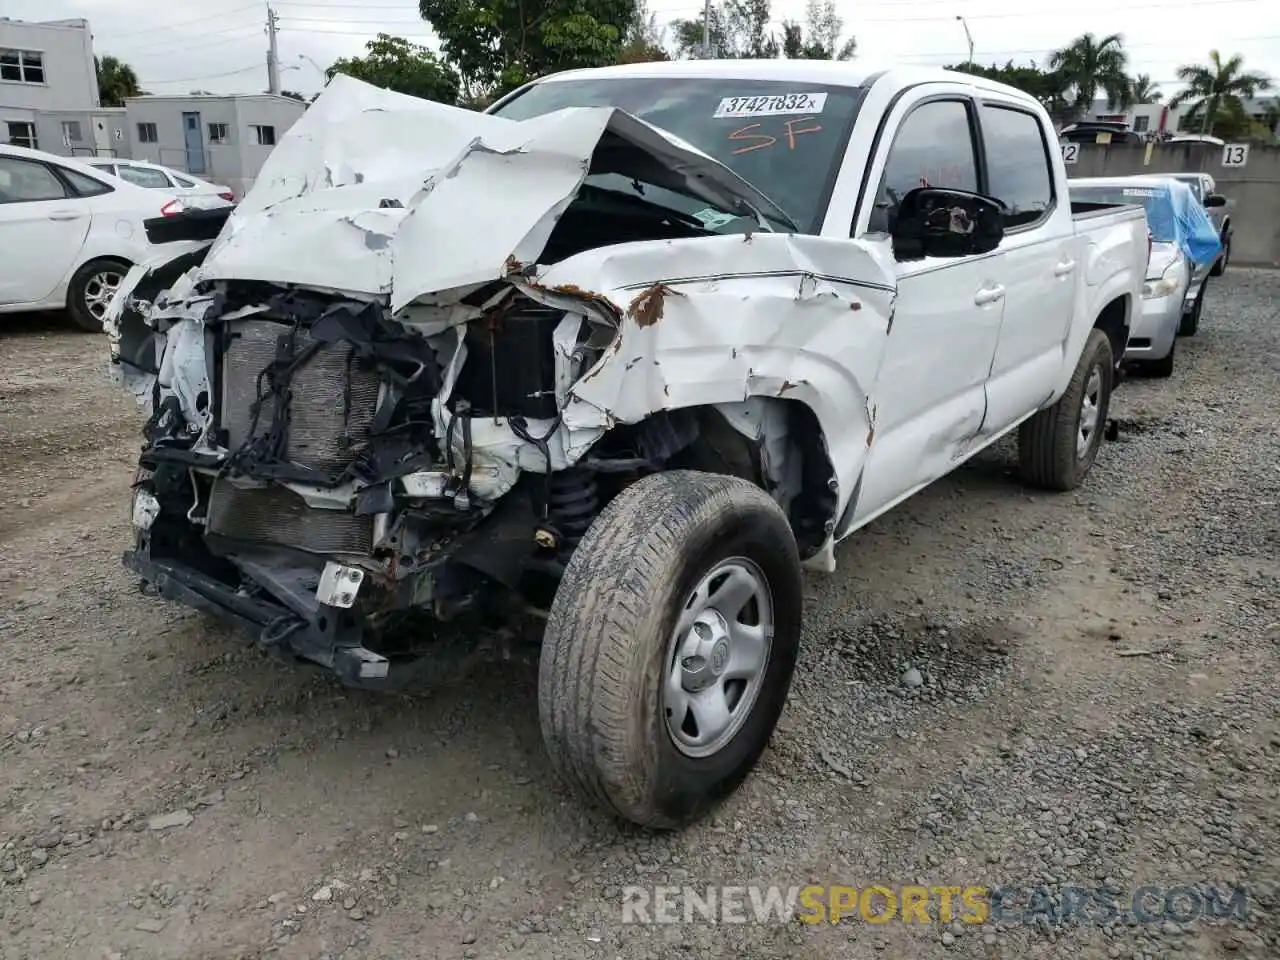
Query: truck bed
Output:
(1087,209)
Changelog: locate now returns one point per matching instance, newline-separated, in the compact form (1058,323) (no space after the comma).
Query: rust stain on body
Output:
(646,309)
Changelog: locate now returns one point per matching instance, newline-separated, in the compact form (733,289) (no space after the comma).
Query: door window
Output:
(24,181)
(932,148)
(1018,170)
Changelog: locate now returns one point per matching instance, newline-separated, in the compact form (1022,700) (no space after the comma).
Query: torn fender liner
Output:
(373,192)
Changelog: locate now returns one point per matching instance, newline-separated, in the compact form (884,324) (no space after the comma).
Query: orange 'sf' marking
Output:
(745,133)
(792,132)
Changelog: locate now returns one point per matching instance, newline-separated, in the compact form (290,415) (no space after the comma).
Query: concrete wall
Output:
(103,132)
(70,78)
(1252,191)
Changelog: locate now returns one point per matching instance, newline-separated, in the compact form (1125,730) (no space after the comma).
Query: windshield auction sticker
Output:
(774,106)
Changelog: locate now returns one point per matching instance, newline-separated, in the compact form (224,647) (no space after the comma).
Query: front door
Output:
(41,230)
(193,137)
(930,396)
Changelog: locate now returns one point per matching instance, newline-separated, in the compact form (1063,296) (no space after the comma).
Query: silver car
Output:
(1173,295)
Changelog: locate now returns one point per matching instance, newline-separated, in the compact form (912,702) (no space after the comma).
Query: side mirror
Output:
(936,222)
(1215,200)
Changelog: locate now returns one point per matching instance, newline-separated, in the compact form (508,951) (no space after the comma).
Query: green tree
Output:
(117,81)
(1047,86)
(1216,90)
(1089,63)
(739,29)
(496,45)
(397,64)
(1143,90)
(644,39)
(819,38)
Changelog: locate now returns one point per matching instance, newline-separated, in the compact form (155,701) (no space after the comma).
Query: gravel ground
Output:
(997,688)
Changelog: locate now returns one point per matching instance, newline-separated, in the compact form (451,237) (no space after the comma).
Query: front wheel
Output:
(1190,322)
(670,646)
(91,290)
(1057,446)
(1220,267)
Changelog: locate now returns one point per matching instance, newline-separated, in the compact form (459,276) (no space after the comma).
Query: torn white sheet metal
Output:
(477,192)
(716,320)
(134,349)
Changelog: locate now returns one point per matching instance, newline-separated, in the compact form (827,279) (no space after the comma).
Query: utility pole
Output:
(706,30)
(273,52)
(968,36)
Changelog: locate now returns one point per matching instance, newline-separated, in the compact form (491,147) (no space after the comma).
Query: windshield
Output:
(1195,184)
(785,138)
(1155,200)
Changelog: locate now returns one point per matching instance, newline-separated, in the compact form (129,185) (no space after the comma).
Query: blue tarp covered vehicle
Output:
(1174,215)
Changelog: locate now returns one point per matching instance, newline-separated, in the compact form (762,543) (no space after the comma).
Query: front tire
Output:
(90,291)
(1057,446)
(1220,267)
(1191,319)
(670,646)
(1163,368)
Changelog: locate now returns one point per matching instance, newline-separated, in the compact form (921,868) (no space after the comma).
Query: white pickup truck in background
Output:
(631,373)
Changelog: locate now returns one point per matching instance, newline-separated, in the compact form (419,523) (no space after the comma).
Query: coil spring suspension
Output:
(572,504)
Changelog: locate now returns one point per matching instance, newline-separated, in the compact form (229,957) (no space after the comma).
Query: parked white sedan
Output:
(154,176)
(69,233)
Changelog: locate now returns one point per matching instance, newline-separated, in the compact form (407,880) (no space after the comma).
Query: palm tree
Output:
(1088,63)
(116,81)
(1142,90)
(1216,86)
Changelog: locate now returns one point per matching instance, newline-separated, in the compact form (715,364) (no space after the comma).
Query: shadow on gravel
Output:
(54,322)
(923,658)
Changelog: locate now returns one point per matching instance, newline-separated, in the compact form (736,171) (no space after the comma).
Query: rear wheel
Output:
(1057,446)
(91,290)
(670,646)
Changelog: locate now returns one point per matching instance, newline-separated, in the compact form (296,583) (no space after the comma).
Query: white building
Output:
(49,89)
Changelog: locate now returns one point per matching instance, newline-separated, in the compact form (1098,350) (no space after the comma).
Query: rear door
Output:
(42,228)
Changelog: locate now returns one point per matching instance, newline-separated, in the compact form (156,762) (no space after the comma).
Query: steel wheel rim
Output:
(717,657)
(1089,411)
(98,291)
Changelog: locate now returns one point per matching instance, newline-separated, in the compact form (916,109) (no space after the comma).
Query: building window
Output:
(1141,124)
(266,135)
(22,66)
(23,134)
(71,132)
(147,133)
(219,133)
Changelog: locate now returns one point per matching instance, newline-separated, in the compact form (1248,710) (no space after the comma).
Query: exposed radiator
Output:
(323,432)
(277,515)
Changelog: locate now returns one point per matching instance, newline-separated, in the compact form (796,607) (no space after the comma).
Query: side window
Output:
(84,185)
(25,181)
(1017,164)
(932,148)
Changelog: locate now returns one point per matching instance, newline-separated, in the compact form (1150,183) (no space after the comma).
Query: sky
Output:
(220,45)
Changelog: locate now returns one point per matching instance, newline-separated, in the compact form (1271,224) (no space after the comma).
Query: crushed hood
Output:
(380,194)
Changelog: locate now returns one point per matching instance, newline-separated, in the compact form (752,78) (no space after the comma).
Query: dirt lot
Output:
(1097,705)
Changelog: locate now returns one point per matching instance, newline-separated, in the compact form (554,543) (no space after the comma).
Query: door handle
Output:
(1063,268)
(65,215)
(988,295)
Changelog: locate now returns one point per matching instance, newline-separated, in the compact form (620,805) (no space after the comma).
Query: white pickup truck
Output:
(621,370)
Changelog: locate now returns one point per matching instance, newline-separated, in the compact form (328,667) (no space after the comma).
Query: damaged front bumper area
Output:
(341,485)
